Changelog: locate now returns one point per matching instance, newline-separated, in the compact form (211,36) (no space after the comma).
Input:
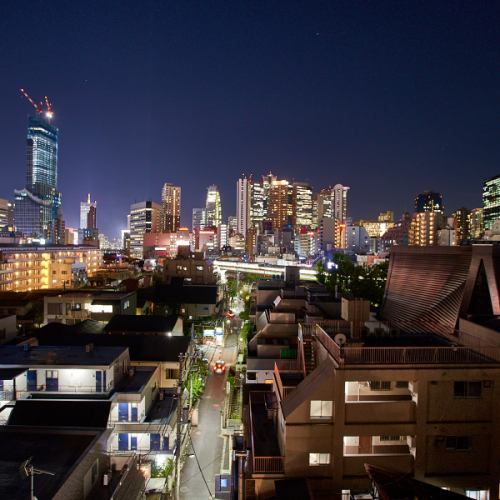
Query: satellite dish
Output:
(340,339)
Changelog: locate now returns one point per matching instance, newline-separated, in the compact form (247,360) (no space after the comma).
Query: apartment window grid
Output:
(467,389)
(317,459)
(321,409)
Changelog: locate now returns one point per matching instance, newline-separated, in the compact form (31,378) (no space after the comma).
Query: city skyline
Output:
(295,90)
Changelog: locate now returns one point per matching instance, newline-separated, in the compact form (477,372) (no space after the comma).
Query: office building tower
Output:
(476,223)
(170,208)
(232,224)
(6,215)
(144,218)
(213,207)
(37,206)
(280,206)
(491,201)
(325,204)
(339,202)
(461,225)
(199,218)
(258,203)
(302,199)
(243,200)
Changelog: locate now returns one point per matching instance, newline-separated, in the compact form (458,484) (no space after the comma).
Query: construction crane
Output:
(39,106)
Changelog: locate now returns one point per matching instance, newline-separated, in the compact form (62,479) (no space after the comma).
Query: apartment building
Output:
(421,406)
(26,268)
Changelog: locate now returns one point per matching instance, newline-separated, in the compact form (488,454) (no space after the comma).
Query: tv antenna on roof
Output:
(27,469)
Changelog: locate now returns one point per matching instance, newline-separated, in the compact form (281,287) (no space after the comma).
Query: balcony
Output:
(380,412)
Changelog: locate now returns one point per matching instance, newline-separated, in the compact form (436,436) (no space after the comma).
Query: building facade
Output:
(144,218)
(491,201)
(243,200)
(170,208)
(213,207)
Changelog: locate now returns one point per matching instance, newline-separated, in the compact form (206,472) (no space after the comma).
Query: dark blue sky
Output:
(390,98)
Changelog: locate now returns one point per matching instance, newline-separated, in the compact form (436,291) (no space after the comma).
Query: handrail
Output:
(407,355)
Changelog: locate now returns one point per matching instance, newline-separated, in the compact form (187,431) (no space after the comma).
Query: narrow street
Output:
(206,437)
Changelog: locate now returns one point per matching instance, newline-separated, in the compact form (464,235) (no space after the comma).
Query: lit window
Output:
(478,494)
(319,459)
(321,409)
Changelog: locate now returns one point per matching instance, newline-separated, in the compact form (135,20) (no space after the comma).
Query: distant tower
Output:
(213,207)
(339,202)
(243,193)
(85,208)
(302,200)
(170,208)
(491,201)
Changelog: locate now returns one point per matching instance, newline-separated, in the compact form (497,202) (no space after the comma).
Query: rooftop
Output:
(141,324)
(10,373)
(135,383)
(163,409)
(58,355)
(85,326)
(179,293)
(53,450)
(60,413)
(142,347)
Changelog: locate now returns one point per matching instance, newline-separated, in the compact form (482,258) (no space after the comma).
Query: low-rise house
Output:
(171,325)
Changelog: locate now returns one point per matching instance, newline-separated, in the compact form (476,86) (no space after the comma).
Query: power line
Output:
(199,467)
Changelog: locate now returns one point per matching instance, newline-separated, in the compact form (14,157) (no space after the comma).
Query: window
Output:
(478,494)
(467,389)
(51,373)
(319,459)
(402,384)
(54,308)
(321,409)
(171,373)
(391,438)
(378,385)
(458,443)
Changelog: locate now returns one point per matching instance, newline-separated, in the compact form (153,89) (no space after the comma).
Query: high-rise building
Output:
(37,207)
(6,215)
(199,218)
(170,208)
(144,218)
(84,211)
(302,202)
(258,203)
(325,204)
(476,223)
(339,202)
(427,220)
(213,207)
(461,225)
(280,206)
(243,201)
(232,225)
(491,201)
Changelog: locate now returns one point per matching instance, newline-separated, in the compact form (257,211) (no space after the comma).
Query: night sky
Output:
(390,98)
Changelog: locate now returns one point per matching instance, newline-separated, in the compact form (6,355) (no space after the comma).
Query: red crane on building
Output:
(39,106)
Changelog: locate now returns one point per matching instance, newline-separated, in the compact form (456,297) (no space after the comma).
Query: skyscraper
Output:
(86,207)
(170,208)
(491,201)
(280,207)
(37,206)
(339,202)
(243,200)
(144,218)
(302,204)
(213,207)
(6,215)
(199,218)
(258,203)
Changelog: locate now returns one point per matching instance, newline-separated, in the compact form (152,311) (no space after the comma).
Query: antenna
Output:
(27,469)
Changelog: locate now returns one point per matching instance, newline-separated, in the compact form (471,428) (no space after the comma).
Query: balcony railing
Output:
(407,355)
(268,465)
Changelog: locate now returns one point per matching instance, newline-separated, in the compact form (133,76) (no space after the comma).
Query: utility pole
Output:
(179,429)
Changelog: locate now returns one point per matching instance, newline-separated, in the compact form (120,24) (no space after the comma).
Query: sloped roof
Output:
(60,413)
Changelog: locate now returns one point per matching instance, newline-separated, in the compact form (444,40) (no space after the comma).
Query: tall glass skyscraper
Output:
(491,201)
(37,211)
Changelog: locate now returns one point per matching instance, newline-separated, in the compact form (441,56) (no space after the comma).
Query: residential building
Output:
(357,239)
(476,223)
(243,202)
(191,267)
(461,225)
(427,220)
(491,201)
(70,307)
(26,268)
(170,208)
(37,206)
(144,218)
(213,207)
